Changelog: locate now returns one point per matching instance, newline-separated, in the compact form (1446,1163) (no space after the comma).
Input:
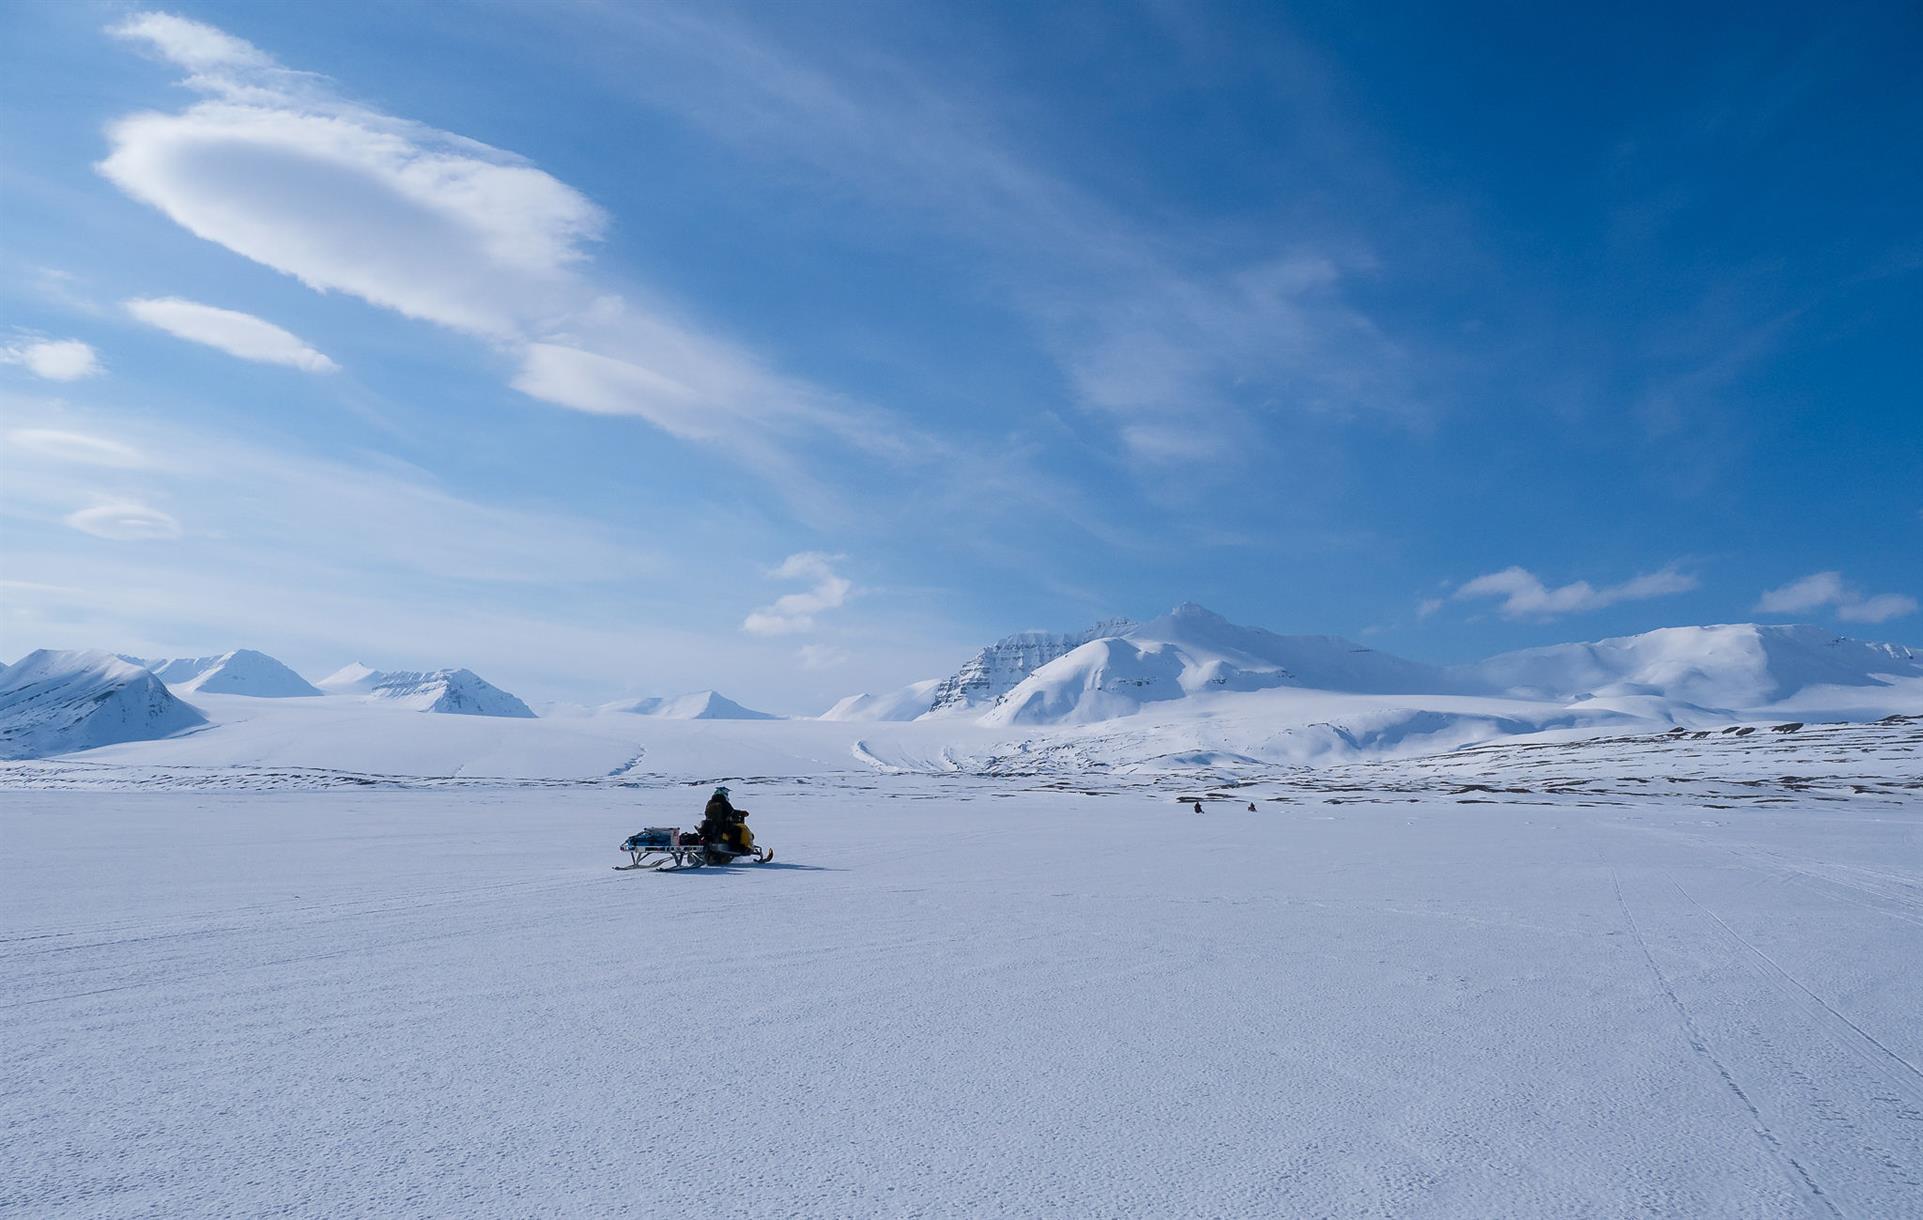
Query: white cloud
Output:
(408,218)
(1523,594)
(238,334)
(124,521)
(277,168)
(53,359)
(602,385)
(190,44)
(1801,596)
(794,613)
(1820,589)
(78,447)
(1878,608)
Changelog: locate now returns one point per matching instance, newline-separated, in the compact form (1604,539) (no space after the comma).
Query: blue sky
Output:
(797,350)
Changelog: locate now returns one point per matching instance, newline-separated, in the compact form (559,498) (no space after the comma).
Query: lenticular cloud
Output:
(241,335)
(343,206)
(274,168)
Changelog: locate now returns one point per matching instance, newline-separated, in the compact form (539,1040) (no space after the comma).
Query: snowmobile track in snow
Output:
(1699,1042)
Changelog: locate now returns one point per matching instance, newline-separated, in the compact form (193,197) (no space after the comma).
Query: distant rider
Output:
(724,826)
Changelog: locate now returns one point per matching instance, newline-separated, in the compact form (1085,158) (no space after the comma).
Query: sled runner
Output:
(667,848)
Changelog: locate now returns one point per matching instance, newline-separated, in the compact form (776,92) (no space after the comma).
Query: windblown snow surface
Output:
(1642,974)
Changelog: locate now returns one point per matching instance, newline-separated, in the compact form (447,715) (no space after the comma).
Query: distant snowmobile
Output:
(666,848)
(723,838)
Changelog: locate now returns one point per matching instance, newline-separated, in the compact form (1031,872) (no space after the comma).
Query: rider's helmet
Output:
(721,791)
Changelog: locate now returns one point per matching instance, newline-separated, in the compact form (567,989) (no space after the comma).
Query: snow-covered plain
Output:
(1638,975)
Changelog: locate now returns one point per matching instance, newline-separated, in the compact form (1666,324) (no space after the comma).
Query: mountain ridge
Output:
(56,702)
(696,705)
(241,671)
(458,692)
(1194,651)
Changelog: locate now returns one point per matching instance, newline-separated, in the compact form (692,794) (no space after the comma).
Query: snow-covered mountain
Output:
(1194,651)
(1184,691)
(352,678)
(57,702)
(240,672)
(458,691)
(906,703)
(172,670)
(991,673)
(1687,673)
(1735,665)
(701,705)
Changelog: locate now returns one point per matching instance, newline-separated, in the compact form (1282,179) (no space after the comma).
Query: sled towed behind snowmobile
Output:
(668,848)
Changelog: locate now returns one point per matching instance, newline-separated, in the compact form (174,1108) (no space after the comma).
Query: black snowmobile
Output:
(722,838)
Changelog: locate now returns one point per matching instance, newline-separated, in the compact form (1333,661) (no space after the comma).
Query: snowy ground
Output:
(1630,977)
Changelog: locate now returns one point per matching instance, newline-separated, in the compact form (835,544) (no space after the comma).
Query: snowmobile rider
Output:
(724,825)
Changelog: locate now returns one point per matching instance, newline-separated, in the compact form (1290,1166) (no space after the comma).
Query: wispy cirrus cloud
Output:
(53,359)
(1821,590)
(81,447)
(241,335)
(1521,594)
(1178,350)
(194,46)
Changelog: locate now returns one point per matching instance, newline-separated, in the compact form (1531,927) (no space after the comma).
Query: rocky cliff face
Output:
(1000,667)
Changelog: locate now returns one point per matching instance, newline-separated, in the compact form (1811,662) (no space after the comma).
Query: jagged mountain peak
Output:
(988,675)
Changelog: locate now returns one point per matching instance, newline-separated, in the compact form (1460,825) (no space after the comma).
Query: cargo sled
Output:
(667,848)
